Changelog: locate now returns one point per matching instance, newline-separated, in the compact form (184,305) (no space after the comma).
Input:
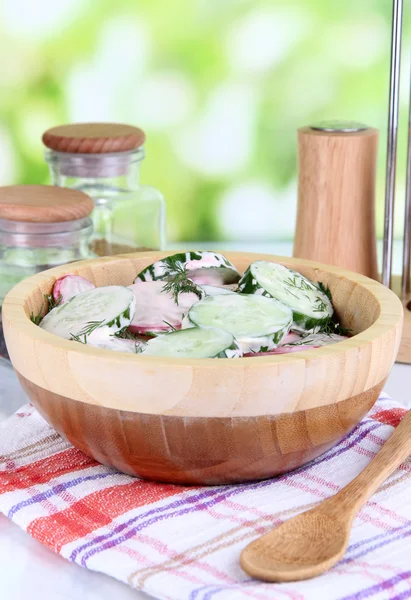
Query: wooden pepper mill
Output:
(336,195)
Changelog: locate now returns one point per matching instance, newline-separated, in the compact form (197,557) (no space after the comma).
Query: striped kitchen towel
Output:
(183,543)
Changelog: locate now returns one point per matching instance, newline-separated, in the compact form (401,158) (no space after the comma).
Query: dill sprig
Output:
(325,290)
(51,303)
(290,292)
(77,338)
(89,327)
(299,283)
(36,319)
(320,305)
(179,282)
(332,326)
(170,325)
(126,334)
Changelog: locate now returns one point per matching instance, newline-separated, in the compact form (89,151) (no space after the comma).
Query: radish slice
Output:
(203,267)
(291,338)
(69,286)
(156,311)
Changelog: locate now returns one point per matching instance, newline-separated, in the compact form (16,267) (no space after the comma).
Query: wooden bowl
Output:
(205,421)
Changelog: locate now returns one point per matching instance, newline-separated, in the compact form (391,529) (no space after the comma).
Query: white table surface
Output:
(29,570)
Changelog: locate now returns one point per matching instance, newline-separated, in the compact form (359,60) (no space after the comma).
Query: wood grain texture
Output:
(198,450)
(311,543)
(93,138)
(43,204)
(270,385)
(336,197)
(404,353)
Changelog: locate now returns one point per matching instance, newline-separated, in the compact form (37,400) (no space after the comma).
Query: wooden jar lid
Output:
(43,204)
(94,138)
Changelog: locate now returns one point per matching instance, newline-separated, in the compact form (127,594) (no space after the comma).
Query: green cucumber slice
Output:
(311,308)
(195,342)
(111,307)
(207,268)
(257,323)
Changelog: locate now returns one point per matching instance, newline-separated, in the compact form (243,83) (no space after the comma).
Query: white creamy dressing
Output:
(254,344)
(102,338)
(310,342)
(321,339)
(234,352)
(207,260)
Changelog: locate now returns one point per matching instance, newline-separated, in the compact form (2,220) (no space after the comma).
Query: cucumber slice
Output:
(202,267)
(156,310)
(214,290)
(311,307)
(196,342)
(111,307)
(257,323)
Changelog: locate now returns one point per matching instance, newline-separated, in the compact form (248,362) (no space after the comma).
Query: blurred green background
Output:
(220,87)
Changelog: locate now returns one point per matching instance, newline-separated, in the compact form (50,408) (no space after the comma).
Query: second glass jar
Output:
(127,216)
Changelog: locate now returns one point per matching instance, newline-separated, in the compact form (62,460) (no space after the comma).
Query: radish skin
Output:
(69,286)
(291,338)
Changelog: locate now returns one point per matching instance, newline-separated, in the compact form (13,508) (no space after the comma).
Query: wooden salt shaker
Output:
(336,195)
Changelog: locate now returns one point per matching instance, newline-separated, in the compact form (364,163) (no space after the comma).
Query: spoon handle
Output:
(395,450)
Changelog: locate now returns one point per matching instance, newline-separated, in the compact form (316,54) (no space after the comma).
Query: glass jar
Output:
(38,231)
(103,160)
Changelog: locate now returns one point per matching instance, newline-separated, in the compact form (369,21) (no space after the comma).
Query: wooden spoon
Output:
(314,541)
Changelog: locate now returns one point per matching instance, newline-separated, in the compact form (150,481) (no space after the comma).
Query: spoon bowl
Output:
(299,548)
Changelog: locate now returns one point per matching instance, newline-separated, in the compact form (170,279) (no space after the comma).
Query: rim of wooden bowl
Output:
(16,318)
